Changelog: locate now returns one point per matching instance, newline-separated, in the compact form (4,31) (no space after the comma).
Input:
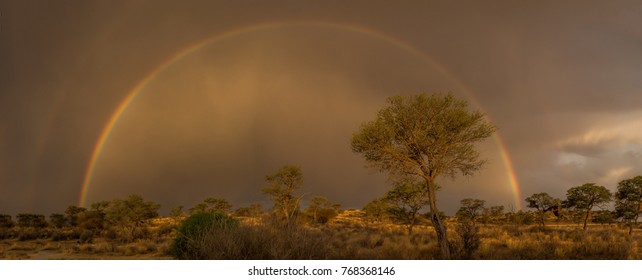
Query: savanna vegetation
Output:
(415,140)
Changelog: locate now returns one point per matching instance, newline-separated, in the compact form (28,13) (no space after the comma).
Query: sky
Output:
(179,101)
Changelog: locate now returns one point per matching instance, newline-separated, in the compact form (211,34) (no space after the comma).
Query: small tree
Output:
(91,220)
(470,209)
(212,205)
(585,197)
(628,201)
(467,228)
(131,213)
(422,137)
(99,207)
(282,186)
(495,213)
(405,201)
(321,210)
(58,220)
(542,202)
(376,209)
(177,213)
(603,217)
(254,210)
(31,220)
(72,214)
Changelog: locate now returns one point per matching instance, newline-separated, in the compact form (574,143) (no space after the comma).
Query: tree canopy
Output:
(542,202)
(585,197)
(282,185)
(628,200)
(405,201)
(131,213)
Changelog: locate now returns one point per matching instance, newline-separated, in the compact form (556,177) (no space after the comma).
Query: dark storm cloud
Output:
(560,79)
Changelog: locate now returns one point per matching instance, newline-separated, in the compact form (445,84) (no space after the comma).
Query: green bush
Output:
(193,229)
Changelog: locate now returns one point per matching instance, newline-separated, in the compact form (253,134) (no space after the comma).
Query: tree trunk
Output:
(411,224)
(440,228)
(541,216)
(588,212)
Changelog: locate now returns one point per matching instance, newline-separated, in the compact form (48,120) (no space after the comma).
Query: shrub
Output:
(193,228)
(57,220)
(468,233)
(86,236)
(5,221)
(603,217)
(31,220)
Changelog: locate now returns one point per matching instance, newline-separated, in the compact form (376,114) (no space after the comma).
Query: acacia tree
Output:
(422,137)
(542,202)
(321,210)
(73,212)
(467,228)
(376,209)
(31,220)
(131,213)
(212,205)
(470,209)
(281,190)
(57,220)
(405,201)
(585,197)
(628,200)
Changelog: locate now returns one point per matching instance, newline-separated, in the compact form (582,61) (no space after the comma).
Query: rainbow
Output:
(131,96)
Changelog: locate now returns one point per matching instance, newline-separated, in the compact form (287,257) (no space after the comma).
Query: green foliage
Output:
(91,220)
(57,220)
(131,213)
(100,207)
(254,210)
(193,228)
(494,214)
(467,228)
(521,218)
(177,212)
(321,210)
(470,209)
(405,201)
(211,205)
(72,214)
(31,220)
(469,238)
(586,196)
(423,135)
(282,186)
(603,217)
(542,202)
(377,209)
(629,199)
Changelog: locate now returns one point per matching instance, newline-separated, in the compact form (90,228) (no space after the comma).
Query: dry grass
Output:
(349,236)
(507,242)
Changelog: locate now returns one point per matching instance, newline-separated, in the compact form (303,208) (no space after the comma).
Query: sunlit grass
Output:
(348,236)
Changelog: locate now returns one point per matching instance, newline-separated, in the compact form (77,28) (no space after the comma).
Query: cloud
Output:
(606,153)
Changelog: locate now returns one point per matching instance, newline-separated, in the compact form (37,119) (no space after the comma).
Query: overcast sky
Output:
(288,82)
